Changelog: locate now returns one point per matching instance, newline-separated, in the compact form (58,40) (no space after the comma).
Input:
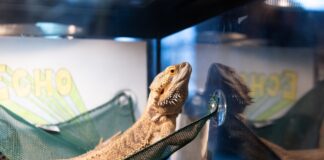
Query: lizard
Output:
(168,92)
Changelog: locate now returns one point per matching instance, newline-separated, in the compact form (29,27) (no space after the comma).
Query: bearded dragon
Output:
(169,90)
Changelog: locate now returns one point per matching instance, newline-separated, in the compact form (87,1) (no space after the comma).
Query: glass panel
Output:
(275,48)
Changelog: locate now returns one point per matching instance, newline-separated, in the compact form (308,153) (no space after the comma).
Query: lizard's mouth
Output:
(184,74)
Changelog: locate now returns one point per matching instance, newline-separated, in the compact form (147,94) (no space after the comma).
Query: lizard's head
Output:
(170,87)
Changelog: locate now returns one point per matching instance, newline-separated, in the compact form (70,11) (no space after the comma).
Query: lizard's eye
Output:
(172,70)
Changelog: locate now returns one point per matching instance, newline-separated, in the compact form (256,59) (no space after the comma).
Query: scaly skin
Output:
(169,90)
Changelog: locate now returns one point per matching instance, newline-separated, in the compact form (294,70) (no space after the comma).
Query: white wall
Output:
(99,68)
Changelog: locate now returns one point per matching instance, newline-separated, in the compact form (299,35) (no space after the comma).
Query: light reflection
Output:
(312,4)
(316,5)
(72,29)
(69,37)
(53,37)
(284,3)
(48,28)
(126,39)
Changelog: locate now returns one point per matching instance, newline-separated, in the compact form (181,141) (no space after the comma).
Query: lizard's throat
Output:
(173,99)
(169,106)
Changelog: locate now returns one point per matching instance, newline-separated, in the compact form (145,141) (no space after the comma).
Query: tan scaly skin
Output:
(169,90)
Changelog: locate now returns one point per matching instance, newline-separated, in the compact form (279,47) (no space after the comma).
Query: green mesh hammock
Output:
(165,147)
(21,140)
(170,144)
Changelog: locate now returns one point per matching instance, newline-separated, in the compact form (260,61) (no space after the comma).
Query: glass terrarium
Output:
(73,73)
(275,47)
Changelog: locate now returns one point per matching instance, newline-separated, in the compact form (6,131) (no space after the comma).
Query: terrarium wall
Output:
(48,77)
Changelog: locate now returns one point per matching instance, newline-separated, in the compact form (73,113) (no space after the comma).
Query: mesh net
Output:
(165,147)
(170,144)
(20,140)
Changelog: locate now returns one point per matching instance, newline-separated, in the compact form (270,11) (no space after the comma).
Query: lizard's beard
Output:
(173,99)
(174,93)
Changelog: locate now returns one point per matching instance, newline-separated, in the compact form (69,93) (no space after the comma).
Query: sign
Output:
(50,81)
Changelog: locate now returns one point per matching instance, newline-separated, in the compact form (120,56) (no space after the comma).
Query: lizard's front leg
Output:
(165,128)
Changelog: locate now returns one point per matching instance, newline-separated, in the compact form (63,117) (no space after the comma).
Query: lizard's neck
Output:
(154,112)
